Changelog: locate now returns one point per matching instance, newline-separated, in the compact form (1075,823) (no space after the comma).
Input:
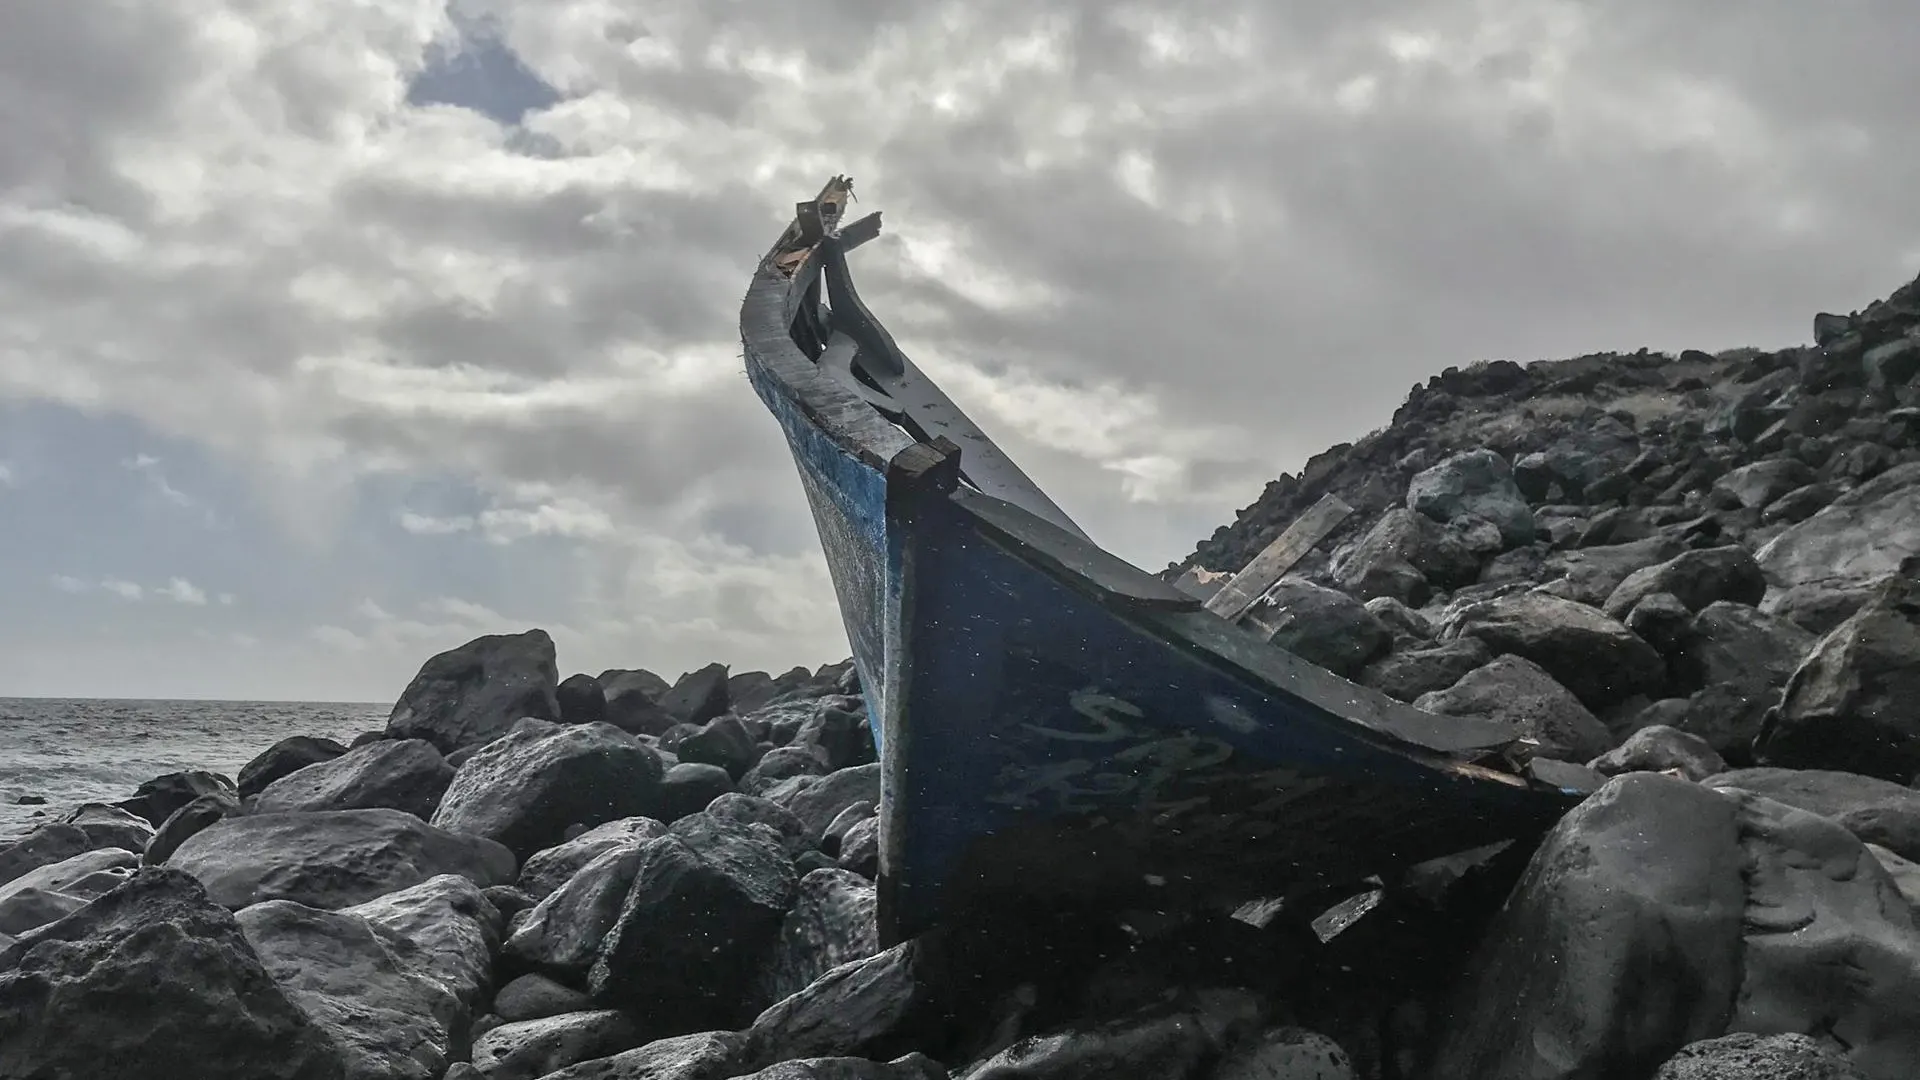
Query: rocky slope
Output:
(1688,578)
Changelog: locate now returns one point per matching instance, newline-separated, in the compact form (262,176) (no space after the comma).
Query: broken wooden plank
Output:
(1292,545)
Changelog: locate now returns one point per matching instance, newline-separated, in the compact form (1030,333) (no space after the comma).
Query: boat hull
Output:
(1058,727)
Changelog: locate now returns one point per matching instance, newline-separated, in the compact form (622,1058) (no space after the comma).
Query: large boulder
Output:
(561,935)
(1734,660)
(1478,483)
(400,774)
(1859,537)
(158,798)
(87,875)
(553,867)
(706,1055)
(1404,556)
(528,1049)
(817,800)
(1404,675)
(1760,484)
(288,755)
(184,822)
(457,928)
(44,846)
(333,859)
(1697,578)
(525,788)
(1660,748)
(705,903)
(1854,705)
(582,700)
(632,701)
(831,923)
(1876,811)
(1746,1056)
(364,986)
(204,1005)
(1660,913)
(473,694)
(1518,691)
(1594,656)
(1322,626)
(699,696)
(110,826)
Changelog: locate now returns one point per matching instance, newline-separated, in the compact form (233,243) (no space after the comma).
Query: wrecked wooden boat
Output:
(1056,725)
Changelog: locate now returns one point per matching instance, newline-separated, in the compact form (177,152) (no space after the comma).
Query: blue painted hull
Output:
(1053,729)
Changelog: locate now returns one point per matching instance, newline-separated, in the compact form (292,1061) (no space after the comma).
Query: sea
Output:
(74,750)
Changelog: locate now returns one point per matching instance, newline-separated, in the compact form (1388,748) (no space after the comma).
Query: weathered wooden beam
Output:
(1252,582)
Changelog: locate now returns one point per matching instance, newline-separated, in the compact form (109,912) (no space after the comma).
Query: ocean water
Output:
(79,750)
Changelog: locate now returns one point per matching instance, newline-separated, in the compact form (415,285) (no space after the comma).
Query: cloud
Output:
(8,478)
(182,591)
(177,589)
(1161,255)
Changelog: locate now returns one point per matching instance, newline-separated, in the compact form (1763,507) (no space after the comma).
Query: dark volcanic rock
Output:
(1860,537)
(1753,913)
(156,982)
(44,846)
(1659,748)
(1517,690)
(699,696)
(831,923)
(1404,676)
(562,934)
(332,859)
(526,788)
(1322,626)
(534,997)
(694,925)
(1478,483)
(400,774)
(158,798)
(1746,1056)
(110,827)
(551,868)
(474,694)
(1698,578)
(1876,811)
(184,822)
(817,800)
(1642,877)
(633,701)
(582,700)
(794,834)
(707,1055)
(363,987)
(723,741)
(689,787)
(1594,656)
(86,875)
(1854,705)
(1734,660)
(455,925)
(288,755)
(782,763)
(528,1049)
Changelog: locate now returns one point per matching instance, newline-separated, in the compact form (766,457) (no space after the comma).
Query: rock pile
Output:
(1690,580)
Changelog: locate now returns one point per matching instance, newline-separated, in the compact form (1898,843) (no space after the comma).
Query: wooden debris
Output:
(1252,582)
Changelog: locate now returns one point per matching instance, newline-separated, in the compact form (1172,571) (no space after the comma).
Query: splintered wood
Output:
(1252,582)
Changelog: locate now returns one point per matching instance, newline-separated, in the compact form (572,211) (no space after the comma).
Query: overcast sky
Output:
(332,335)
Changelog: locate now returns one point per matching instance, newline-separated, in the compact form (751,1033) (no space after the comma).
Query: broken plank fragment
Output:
(1292,545)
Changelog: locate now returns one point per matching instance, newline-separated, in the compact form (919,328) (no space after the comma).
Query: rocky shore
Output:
(1694,581)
